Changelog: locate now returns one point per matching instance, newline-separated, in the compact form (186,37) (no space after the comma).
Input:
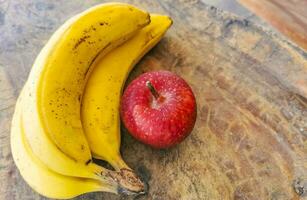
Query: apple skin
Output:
(159,122)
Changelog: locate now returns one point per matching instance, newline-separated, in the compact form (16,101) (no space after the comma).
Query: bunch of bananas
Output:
(68,110)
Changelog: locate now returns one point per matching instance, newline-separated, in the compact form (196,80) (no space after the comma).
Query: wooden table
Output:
(250,137)
(288,16)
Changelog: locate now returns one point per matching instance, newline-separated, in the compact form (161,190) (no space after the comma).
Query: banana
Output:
(52,98)
(41,178)
(48,152)
(100,103)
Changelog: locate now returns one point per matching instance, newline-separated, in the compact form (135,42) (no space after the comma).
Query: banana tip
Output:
(171,20)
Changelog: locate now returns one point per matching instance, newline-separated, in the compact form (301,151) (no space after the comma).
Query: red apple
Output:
(159,109)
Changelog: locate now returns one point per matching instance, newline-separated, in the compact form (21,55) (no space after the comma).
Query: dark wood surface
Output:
(287,16)
(249,142)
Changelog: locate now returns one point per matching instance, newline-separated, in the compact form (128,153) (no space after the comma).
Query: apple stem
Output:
(152,90)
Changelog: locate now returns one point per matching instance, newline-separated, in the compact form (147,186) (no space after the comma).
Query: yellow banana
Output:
(100,103)
(51,115)
(41,178)
(47,151)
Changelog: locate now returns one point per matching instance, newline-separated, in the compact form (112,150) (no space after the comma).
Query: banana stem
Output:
(126,180)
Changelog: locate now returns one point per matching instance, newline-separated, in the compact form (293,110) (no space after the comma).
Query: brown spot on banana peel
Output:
(148,20)
(104,23)
(80,41)
(88,162)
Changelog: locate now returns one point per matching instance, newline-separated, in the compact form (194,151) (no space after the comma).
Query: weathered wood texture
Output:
(250,138)
(288,16)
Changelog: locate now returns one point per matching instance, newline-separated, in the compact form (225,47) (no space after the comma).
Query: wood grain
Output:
(288,16)
(250,138)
